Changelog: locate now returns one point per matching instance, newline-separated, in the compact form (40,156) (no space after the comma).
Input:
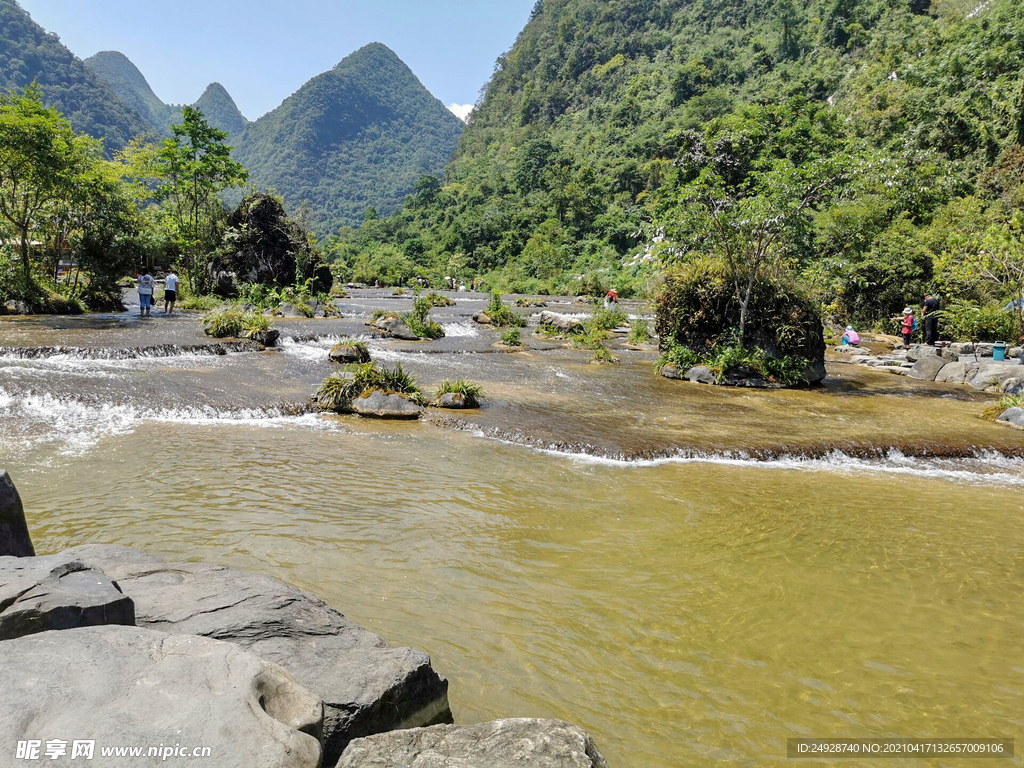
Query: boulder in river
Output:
(955,373)
(367,686)
(14,537)
(701,374)
(483,318)
(379,404)
(395,327)
(927,367)
(267,338)
(133,687)
(672,371)
(519,743)
(1014,416)
(57,592)
(457,401)
(346,353)
(563,323)
(918,351)
(289,310)
(992,375)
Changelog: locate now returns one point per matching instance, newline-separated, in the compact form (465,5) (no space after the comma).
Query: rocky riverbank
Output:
(138,652)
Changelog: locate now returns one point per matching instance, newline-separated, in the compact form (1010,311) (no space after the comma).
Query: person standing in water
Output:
(931,320)
(611,299)
(145,285)
(170,292)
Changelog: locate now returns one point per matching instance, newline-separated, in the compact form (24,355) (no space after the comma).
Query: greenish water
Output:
(684,613)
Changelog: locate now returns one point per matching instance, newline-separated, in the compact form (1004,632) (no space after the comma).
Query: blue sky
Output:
(264,50)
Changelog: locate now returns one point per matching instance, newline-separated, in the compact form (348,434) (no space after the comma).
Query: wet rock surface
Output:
(457,401)
(57,592)
(348,353)
(366,685)
(133,687)
(15,540)
(394,327)
(386,405)
(519,743)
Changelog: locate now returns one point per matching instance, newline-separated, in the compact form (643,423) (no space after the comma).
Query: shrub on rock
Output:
(350,351)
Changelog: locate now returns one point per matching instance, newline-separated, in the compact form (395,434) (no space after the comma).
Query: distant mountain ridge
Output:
(131,86)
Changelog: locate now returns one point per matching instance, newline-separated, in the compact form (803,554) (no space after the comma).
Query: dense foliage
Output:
(29,54)
(350,139)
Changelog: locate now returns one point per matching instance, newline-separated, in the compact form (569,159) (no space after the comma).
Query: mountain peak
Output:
(372,54)
(220,109)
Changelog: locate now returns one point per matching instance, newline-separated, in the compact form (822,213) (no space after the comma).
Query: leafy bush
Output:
(419,321)
(969,321)
(603,355)
(639,332)
(607,319)
(468,389)
(678,355)
(203,303)
(501,316)
(511,338)
(740,361)
(232,322)
(438,300)
(358,345)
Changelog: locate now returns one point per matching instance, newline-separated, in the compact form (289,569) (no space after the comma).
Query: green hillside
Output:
(354,137)
(571,162)
(28,52)
(130,85)
(220,110)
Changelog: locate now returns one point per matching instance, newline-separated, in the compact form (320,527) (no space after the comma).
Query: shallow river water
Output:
(684,611)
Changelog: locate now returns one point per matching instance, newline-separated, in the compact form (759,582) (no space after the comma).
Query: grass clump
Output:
(232,322)
(511,338)
(419,321)
(338,391)
(639,332)
(501,316)
(200,303)
(678,355)
(603,355)
(438,300)
(468,389)
(1005,403)
(607,319)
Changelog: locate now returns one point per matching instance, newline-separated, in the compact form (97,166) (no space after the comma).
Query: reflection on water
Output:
(683,613)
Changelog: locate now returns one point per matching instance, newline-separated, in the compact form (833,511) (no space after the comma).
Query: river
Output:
(692,575)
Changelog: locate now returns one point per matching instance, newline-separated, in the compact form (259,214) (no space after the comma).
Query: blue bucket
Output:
(999,351)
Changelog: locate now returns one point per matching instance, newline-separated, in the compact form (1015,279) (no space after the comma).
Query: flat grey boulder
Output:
(919,351)
(367,686)
(395,327)
(378,404)
(956,373)
(499,744)
(927,367)
(57,592)
(992,375)
(561,322)
(701,374)
(133,687)
(1014,416)
(14,537)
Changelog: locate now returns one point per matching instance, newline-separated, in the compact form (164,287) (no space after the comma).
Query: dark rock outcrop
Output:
(367,686)
(14,537)
(133,687)
(456,401)
(267,338)
(394,327)
(378,404)
(57,592)
(349,353)
(498,744)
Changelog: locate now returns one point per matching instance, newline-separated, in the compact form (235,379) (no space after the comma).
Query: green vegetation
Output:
(470,390)
(679,356)
(202,303)
(357,345)
(1005,403)
(232,322)
(512,338)
(419,321)
(351,139)
(639,332)
(28,54)
(607,320)
(337,392)
(438,300)
(501,316)
(971,321)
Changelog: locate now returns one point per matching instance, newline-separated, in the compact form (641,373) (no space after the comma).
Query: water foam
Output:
(460,330)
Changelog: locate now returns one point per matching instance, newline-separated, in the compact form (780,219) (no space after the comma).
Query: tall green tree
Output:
(42,163)
(193,167)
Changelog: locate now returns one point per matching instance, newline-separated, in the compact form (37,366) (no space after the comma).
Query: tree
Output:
(999,265)
(193,167)
(41,162)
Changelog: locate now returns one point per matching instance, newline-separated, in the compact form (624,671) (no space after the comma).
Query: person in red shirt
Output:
(610,299)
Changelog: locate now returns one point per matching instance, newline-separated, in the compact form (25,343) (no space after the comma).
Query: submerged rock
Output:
(57,592)
(500,744)
(379,404)
(14,537)
(367,686)
(126,686)
(349,353)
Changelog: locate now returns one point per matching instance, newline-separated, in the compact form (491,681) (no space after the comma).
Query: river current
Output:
(693,575)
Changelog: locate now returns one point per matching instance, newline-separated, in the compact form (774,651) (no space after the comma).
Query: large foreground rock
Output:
(378,404)
(14,537)
(57,592)
(992,375)
(927,367)
(500,744)
(132,687)
(367,686)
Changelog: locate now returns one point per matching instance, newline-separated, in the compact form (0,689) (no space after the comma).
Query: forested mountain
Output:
(28,52)
(131,86)
(355,137)
(220,110)
(570,161)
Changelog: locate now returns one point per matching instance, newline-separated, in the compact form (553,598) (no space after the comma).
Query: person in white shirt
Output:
(146,283)
(170,292)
